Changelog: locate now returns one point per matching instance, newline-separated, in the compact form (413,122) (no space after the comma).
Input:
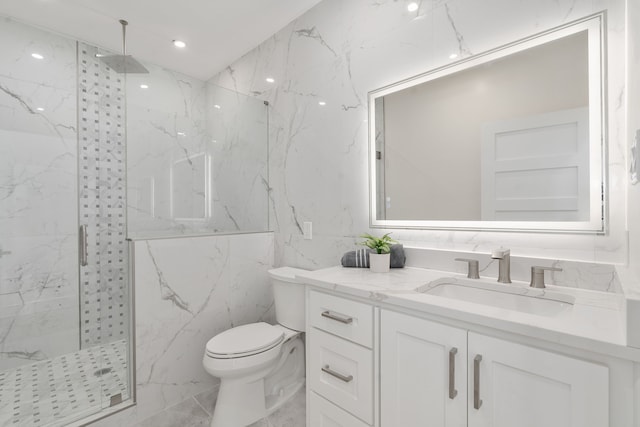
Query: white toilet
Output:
(260,366)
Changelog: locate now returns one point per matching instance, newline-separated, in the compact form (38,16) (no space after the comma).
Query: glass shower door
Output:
(104,300)
(63,327)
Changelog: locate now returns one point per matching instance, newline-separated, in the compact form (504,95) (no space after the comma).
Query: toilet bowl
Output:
(260,366)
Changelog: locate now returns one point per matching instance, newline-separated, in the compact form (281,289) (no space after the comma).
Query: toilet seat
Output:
(243,341)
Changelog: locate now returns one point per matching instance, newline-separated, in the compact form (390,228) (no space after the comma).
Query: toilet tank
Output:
(288,295)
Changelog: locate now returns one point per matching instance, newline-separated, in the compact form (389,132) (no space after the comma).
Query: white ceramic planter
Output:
(379,263)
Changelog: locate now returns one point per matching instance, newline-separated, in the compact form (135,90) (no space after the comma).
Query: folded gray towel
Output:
(360,258)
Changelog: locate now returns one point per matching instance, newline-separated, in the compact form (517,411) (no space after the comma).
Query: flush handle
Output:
(337,317)
(452,373)
(346,378)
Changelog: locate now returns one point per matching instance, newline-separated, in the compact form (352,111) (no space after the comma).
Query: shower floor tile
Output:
(60,390)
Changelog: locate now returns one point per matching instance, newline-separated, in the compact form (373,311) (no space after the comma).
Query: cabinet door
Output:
(423,373)
(516,385)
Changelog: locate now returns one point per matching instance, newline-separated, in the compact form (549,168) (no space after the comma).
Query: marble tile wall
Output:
(338,52)
(239,146)
(188,290)
(197,157)
(582,275)
(38,196)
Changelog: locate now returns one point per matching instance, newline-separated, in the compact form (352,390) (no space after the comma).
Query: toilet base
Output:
(243,401)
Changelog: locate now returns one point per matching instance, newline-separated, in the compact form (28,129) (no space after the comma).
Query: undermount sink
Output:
(511,297)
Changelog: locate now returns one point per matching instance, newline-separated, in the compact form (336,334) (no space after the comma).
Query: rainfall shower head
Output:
(124,63)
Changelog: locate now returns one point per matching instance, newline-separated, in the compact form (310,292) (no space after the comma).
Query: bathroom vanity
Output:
(420,347)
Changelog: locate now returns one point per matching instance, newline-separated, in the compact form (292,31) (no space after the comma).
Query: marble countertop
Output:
(596,322)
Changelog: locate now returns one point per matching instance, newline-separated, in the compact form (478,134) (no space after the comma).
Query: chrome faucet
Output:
(504,265)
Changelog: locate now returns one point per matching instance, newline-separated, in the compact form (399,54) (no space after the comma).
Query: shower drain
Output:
(101,372)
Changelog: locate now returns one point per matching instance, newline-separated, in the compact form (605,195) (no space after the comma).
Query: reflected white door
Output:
(537,168)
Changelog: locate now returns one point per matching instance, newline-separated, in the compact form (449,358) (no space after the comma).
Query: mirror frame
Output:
(595,25)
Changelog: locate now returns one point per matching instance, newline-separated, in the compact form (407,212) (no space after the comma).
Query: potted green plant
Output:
(380,259)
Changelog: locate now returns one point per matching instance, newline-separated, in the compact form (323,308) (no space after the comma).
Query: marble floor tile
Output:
(56,390)
(208,399)
(198,410)
(190,407)
(168,418)
(291,414)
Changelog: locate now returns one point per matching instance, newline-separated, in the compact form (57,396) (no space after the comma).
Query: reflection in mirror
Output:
(508,139)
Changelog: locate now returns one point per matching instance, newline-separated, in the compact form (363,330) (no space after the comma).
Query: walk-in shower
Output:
(64,318)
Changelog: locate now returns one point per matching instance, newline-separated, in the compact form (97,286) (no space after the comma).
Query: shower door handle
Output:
(82,245)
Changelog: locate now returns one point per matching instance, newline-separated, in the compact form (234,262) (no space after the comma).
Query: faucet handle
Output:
(537,275)
(500,253)
(473,267)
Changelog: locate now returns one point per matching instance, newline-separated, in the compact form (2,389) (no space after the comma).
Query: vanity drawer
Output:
(342,372)
(322,413)
(342,317)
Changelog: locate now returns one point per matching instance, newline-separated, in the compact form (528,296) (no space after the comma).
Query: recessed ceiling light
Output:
(270,80)
(37,55)
(179,44)
(412,7)
(182,134)
(99,55)
(322,103)
(143,86)
(217,106)
(453,56)
(40,109)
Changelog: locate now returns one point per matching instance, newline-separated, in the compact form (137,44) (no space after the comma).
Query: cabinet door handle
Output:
(452,373)
(338,375)
(477,402)
(338,318)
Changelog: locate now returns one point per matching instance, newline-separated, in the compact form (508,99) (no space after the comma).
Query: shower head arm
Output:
(124,36)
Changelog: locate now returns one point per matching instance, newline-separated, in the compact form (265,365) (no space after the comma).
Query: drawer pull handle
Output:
(338,375)
(337,317)
(452,373)
(477,402)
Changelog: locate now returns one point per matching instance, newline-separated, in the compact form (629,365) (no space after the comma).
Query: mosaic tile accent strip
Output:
(102,168)
(56,391)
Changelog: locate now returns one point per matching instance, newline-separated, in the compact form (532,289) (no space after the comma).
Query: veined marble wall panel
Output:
(338,52)
(165,126)
(38,194)
(237,129)
(197,157)
(187,291)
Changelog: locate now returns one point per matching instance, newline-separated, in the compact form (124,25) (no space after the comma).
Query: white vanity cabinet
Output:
(340,361)
(423,372)
(433,374)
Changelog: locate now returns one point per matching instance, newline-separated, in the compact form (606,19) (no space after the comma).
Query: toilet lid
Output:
(244,340)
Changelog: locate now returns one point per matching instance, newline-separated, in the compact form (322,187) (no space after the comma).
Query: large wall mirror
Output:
(512,139)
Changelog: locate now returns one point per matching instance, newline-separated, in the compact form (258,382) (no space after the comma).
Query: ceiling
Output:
(217,32)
